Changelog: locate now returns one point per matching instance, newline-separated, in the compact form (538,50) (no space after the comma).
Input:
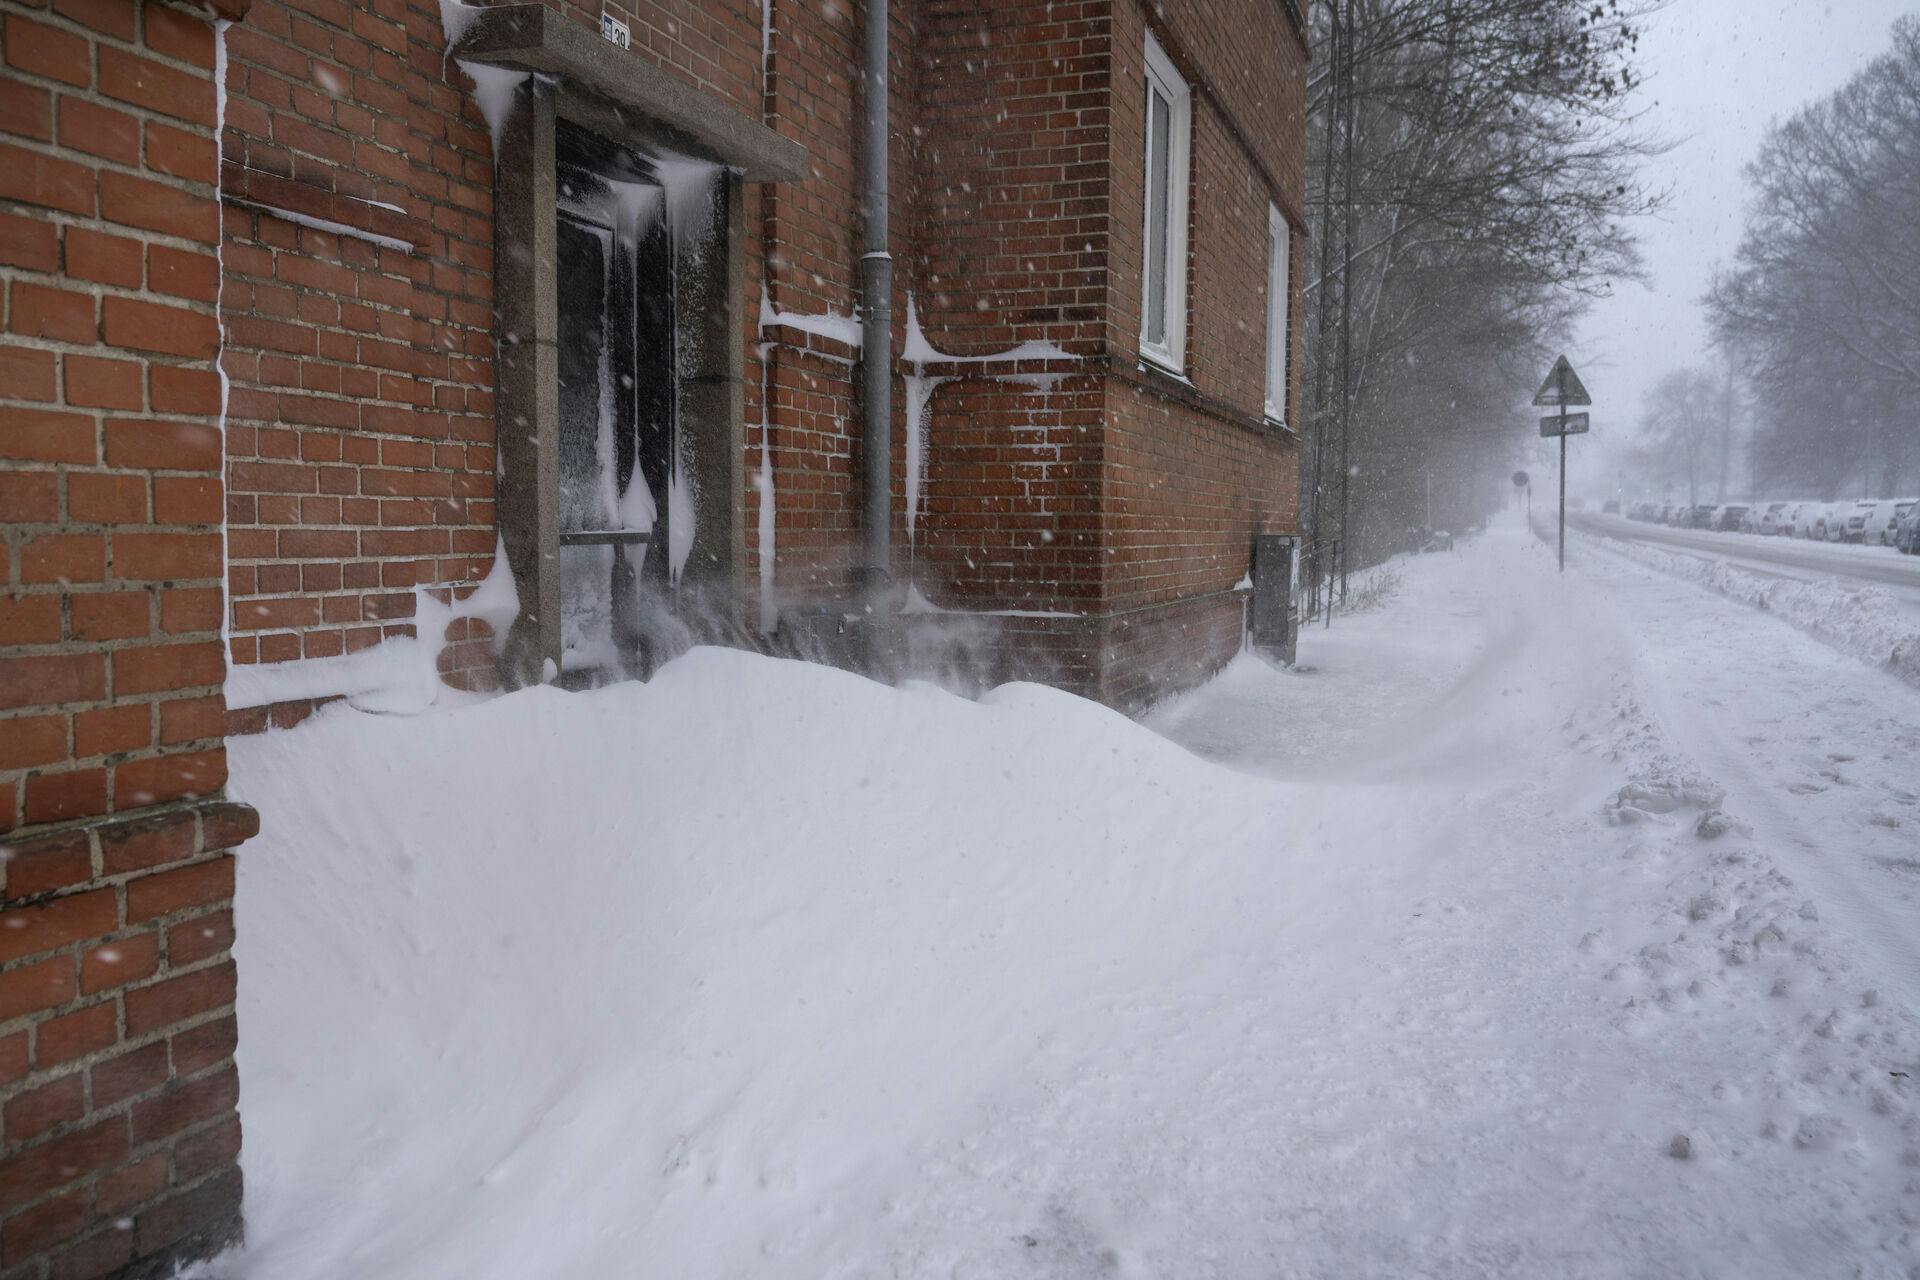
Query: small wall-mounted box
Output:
(1271,622)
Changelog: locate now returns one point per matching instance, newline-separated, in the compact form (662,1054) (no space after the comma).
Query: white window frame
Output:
(1279,308)
(1166,79)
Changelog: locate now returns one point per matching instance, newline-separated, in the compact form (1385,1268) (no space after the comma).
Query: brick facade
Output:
(327,237)
(361,452)
(117,1084)
(360,456)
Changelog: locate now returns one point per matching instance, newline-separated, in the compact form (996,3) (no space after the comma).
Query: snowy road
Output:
(1532,926)
(1797,558)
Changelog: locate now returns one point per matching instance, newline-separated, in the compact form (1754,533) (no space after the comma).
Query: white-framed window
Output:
(1279,282)
(1163,286)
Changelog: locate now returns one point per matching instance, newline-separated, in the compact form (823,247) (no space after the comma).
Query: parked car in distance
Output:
(1909,511)
(1727,517)
(1883,521)
(1907,538)
(1768,519)
(1610,507)
(1853,521)
(1701,516)
(1834,523)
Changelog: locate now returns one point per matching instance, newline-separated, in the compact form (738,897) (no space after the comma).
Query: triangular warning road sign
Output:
(1563,386)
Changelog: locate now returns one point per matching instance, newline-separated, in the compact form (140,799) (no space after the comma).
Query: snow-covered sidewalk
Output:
(1537,926)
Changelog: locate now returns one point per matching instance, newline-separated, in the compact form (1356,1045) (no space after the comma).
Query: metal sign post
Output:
(1562,388)
(1563,489)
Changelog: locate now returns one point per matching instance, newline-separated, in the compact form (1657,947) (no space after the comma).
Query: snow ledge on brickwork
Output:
(917,605)
(842,329)
(398,676)
(917,354)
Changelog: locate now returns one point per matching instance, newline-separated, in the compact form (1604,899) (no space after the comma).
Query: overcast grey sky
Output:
(1717,72)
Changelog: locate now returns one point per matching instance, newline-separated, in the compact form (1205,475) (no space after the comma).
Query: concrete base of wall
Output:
(1128,660)
(216,1208)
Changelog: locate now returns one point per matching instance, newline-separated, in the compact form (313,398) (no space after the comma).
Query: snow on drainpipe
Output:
(876,288)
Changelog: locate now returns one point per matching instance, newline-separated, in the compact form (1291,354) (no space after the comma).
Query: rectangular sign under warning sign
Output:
(1574,424)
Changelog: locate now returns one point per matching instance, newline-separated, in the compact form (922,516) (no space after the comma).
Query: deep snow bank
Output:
(763,970)
(1863,621)
(684,979)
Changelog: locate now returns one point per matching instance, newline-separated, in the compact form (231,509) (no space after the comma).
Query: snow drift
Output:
(697,971)
(761,969)
(1863,621)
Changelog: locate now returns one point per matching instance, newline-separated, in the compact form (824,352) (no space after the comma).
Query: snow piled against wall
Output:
(695,978)
(401,674)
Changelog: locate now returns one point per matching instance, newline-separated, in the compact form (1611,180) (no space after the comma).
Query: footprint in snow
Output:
(1819,1132)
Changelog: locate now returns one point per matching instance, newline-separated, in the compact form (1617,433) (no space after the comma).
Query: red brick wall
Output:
(111,620)
(804,252)
(1193,475)
(361,458)
(1185,493)
(1010,515)
(360,455)
(1030,226)
(713,45)
(1151,654)
(1010,239)
(118,1131)
(1011,173)
(117,1033)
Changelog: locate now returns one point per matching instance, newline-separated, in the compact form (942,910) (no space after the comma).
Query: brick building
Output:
(1068,500)
(480,278)
(117,1083)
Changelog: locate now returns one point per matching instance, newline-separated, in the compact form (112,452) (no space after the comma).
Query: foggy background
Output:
(1718,72)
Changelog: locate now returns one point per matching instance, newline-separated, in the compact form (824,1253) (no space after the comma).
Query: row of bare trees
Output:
(1821,305)
(1471,166)
(1689,443)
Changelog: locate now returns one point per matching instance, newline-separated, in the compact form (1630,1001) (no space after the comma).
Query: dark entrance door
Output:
(616,400)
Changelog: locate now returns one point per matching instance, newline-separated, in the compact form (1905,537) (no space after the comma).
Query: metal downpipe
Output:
(876,292)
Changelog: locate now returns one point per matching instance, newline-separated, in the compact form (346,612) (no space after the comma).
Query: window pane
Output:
(1159,131)
(586,404)
(1278,245)
(1273,253)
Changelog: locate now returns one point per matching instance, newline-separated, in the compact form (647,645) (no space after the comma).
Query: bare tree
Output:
(1472,169)
(1681,429)
(1822,300)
